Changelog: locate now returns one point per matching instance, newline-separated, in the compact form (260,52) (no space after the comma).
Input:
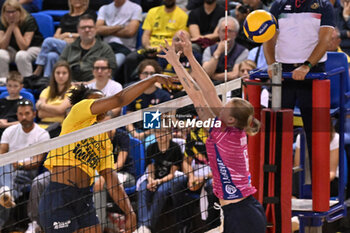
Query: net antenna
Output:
(225,92)
(43,147)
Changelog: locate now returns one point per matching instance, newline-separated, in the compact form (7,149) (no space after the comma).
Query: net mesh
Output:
(164,175)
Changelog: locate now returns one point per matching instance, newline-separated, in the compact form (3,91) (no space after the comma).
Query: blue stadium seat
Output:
(139,37)
(39,4)
(27,95)
(137,151)
(2,89)
(45,24)
(56,15)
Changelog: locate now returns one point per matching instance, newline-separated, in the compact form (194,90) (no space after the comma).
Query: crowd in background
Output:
(99,44)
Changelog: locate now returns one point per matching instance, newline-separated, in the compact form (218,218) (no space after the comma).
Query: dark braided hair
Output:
(80,93)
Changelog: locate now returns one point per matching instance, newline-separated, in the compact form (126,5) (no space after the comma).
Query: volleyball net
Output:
(180,203)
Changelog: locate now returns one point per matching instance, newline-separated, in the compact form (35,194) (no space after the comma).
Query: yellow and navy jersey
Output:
(94,153)
(164,25)
(195,145)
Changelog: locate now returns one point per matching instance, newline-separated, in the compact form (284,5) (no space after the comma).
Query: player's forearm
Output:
(199,75)
(125,97)
(325,35)
(269,50)
(118,194)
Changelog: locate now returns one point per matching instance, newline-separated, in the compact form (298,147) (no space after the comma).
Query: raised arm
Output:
(127,95)
(203,108)
(200,76)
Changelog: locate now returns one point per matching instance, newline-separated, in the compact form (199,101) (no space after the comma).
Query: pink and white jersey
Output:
(228,159)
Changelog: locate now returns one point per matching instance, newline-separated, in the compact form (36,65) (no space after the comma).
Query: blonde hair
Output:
(247,62)
(71,6)
(15,4)
(243,112)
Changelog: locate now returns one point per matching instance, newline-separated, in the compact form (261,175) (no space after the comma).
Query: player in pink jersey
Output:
(226,145)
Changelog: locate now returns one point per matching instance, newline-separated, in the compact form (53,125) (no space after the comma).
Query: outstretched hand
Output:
(186,44)
(169,53)
(166,80)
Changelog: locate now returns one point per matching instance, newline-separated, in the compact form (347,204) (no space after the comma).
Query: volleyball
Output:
(259,26)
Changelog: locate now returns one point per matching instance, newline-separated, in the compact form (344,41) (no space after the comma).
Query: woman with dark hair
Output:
(152,96)
(65,34)
(20,39)
(53,102)
(68,198)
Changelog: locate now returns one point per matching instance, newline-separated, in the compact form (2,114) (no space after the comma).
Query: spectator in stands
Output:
(213,56)
(196,168)
(16,176)
(202,24)
(163,158)
(255,4)
(82,53)
(342,22)
(123,164)
(120,30)
(8,105)
(161,23)
(152,96)
(54,102)
(20,39)
(29,5)
(241,12)
(66,33)
(103,81)
(258,57)
(334,44)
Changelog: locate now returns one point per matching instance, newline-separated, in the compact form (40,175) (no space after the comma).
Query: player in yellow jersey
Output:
(67,205)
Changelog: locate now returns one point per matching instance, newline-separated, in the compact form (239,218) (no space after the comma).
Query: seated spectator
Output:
(196,168)
(334,160)
(256,4)
(20,39)
(123,164)
(163,158)
(8,105)
(334,44)
(202,24)
(54,102)
(177,90)
(161,24)
(29,5)
(120,30)
(82,53)
(102,81)
(15,177)
(214,57)
(342,22)
(66,33)
(258,57)
(152,96)
(241,12)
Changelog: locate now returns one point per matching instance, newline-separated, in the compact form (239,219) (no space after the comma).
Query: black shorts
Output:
(65,208)
(247,216)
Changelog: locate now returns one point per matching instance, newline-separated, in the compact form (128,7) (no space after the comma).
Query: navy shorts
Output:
(247,216)
(65,208)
